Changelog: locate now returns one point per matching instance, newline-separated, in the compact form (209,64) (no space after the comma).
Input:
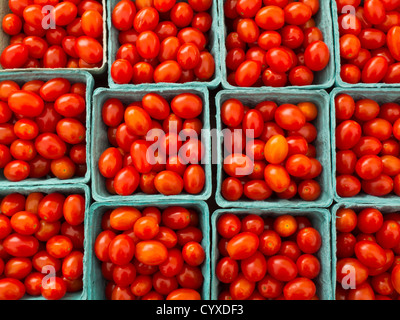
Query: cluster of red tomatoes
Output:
(270,151)
(42,129)
(267,258)
(368,245)
(369,41)
(367,143)
(273,43)
(68,37)
(151,255)
(41,245)
(162,41)
(154,149)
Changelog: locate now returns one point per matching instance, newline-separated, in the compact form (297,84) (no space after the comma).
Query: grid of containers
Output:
(96,138)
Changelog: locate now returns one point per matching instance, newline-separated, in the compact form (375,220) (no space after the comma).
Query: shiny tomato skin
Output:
(241,288)
(254,268)
(308,266)
(70,105)
(247,73)
(389,234)
(369,167)
(374,70)
(26,103)
(289,117)
(110,162)
(367,146)
(348,133)
(11,289)
(227,270)
(89,49)
(102,243)
(317,56)
(72,266)
(276,149)
(55,293)
(20,245)
(14,56)
(257,190)
(243,245)
(271,18)
(123,15)
(126,181)
(345,162)
(282,268)
(370,254)
(139,153)
(187,106)
(151,252)
(137,120)
(121,249)
(277,177)
(176,217)
(232,189)
(309,240)
(396,278)
(238,165)
(228,225)
(168,183)
(299,289)
(380,186)
(184,294)
(25,222)
(74,209)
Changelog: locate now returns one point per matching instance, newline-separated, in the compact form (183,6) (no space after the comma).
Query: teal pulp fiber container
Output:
(5,41)
(381,97)
(74,77)
(338,78)
(322,79)
(357,207)
(320,219)
(95,282)
(100,139)
(322,144)
(113,46)
(66,190)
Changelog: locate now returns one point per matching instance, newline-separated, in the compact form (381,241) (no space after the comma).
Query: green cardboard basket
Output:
(322,80)
(96,283)
(381,96)
(113,46)
(384,208)
(320,218)
(338,78)
(322,144)
(100,140)
(66,190)
(74,76)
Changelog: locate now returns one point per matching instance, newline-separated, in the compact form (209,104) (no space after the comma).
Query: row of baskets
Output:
(97,141)
(326,20)
(94,283)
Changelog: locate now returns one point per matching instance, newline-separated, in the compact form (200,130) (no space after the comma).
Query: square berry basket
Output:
(5,40)
(322,80)
(96,283)
(66,190)
(113,46)
(101,143)
(381,96)
(74,76)
(322,144)
(383,208)
(320,219)
(338,78)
